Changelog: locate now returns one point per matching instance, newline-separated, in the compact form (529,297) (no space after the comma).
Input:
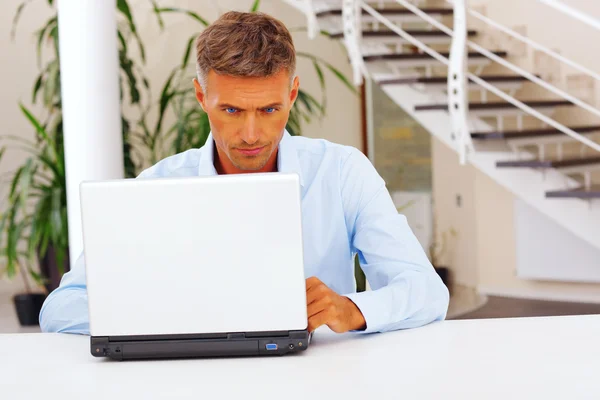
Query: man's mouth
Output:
(251,152)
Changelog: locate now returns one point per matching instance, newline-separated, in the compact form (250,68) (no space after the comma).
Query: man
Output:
(247,85)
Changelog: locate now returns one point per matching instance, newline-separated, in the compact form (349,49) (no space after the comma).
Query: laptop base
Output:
(201,345)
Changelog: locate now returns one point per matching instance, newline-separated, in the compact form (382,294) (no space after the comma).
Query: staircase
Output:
(417,54)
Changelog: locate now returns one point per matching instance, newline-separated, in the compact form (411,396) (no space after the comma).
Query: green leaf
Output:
(310,103)
(48,27)
(255,6)
(183,11)
(37,277)
(331,68)
(36,87)
(15,181)
(54,36)
(319,74)
(38,127)
(25,182)
(188,51)
(342,78)
(127,67)
(16,18)
(165,97)
(322,83)
(124,8)
(155,8)
(51,89)
(122,41)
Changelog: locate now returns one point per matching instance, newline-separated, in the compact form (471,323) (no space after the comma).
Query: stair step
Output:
(558,164)
(417,33)
(532,133)
(579,193)
(391,12)
(443,79)
(422,56)
(496,105)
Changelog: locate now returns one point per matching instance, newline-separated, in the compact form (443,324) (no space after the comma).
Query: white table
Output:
(528,358)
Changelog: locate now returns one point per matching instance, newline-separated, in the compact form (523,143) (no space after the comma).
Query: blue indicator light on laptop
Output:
(271,346)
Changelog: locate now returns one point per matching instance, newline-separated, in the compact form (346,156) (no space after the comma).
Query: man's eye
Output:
(269,110)
(230,110)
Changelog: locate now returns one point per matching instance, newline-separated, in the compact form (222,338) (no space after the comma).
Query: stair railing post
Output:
(351,17)
(458,93)
(311,16)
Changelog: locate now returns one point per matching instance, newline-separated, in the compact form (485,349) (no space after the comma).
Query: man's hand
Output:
(326,307)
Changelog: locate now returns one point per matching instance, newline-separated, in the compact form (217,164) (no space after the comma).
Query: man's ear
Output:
(294,91)
(200,96)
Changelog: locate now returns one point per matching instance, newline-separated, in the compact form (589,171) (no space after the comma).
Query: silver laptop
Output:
(191,267)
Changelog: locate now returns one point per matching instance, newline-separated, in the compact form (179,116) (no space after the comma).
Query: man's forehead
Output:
(248,83)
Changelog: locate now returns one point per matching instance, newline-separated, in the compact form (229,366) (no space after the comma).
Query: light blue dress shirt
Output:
(346,209)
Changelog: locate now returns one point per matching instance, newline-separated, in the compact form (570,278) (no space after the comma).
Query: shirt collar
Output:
(287,157)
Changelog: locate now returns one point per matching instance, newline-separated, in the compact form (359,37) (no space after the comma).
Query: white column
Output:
(90,100)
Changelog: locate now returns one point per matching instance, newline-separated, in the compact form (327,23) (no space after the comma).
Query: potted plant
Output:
(33,219)
(33,222)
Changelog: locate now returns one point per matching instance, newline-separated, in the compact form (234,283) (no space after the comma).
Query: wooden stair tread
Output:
(421,56)
(443,79)
(531,133)
(412,32)
(496,105)
(391,11)
(578,193)
(573,162)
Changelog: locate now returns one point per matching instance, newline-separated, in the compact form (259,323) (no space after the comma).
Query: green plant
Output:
(34,217)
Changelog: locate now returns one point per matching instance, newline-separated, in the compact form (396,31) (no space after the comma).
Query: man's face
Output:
(247,115)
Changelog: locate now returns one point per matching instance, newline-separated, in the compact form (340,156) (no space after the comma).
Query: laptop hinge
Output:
(236,336)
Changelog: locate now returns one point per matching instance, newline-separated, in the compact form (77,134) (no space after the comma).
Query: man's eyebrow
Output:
(226,105)
(272,105)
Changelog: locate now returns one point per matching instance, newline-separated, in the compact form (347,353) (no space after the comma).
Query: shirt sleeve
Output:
(406,290)
(66,308)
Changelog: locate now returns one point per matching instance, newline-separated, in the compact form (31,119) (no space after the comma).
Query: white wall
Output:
(484,254)
(164,50)
(552,29)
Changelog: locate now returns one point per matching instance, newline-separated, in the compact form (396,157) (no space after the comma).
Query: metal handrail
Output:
(534,44)
(473,77)
(503,62)
(572,12)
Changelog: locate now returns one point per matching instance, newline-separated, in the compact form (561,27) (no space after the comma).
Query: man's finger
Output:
(317,320)
(312,281)
(318,306)
(316,293)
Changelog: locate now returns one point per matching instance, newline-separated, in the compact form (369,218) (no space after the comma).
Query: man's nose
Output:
(249,131)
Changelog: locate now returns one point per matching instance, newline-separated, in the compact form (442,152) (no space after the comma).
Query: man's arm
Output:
(407,292)
(66,308)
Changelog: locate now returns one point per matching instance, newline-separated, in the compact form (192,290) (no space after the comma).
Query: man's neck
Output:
(224,166)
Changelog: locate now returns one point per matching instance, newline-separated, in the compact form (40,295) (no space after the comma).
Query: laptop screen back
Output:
(194,255)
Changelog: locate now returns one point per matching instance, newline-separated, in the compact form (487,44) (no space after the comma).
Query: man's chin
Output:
(250,165)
